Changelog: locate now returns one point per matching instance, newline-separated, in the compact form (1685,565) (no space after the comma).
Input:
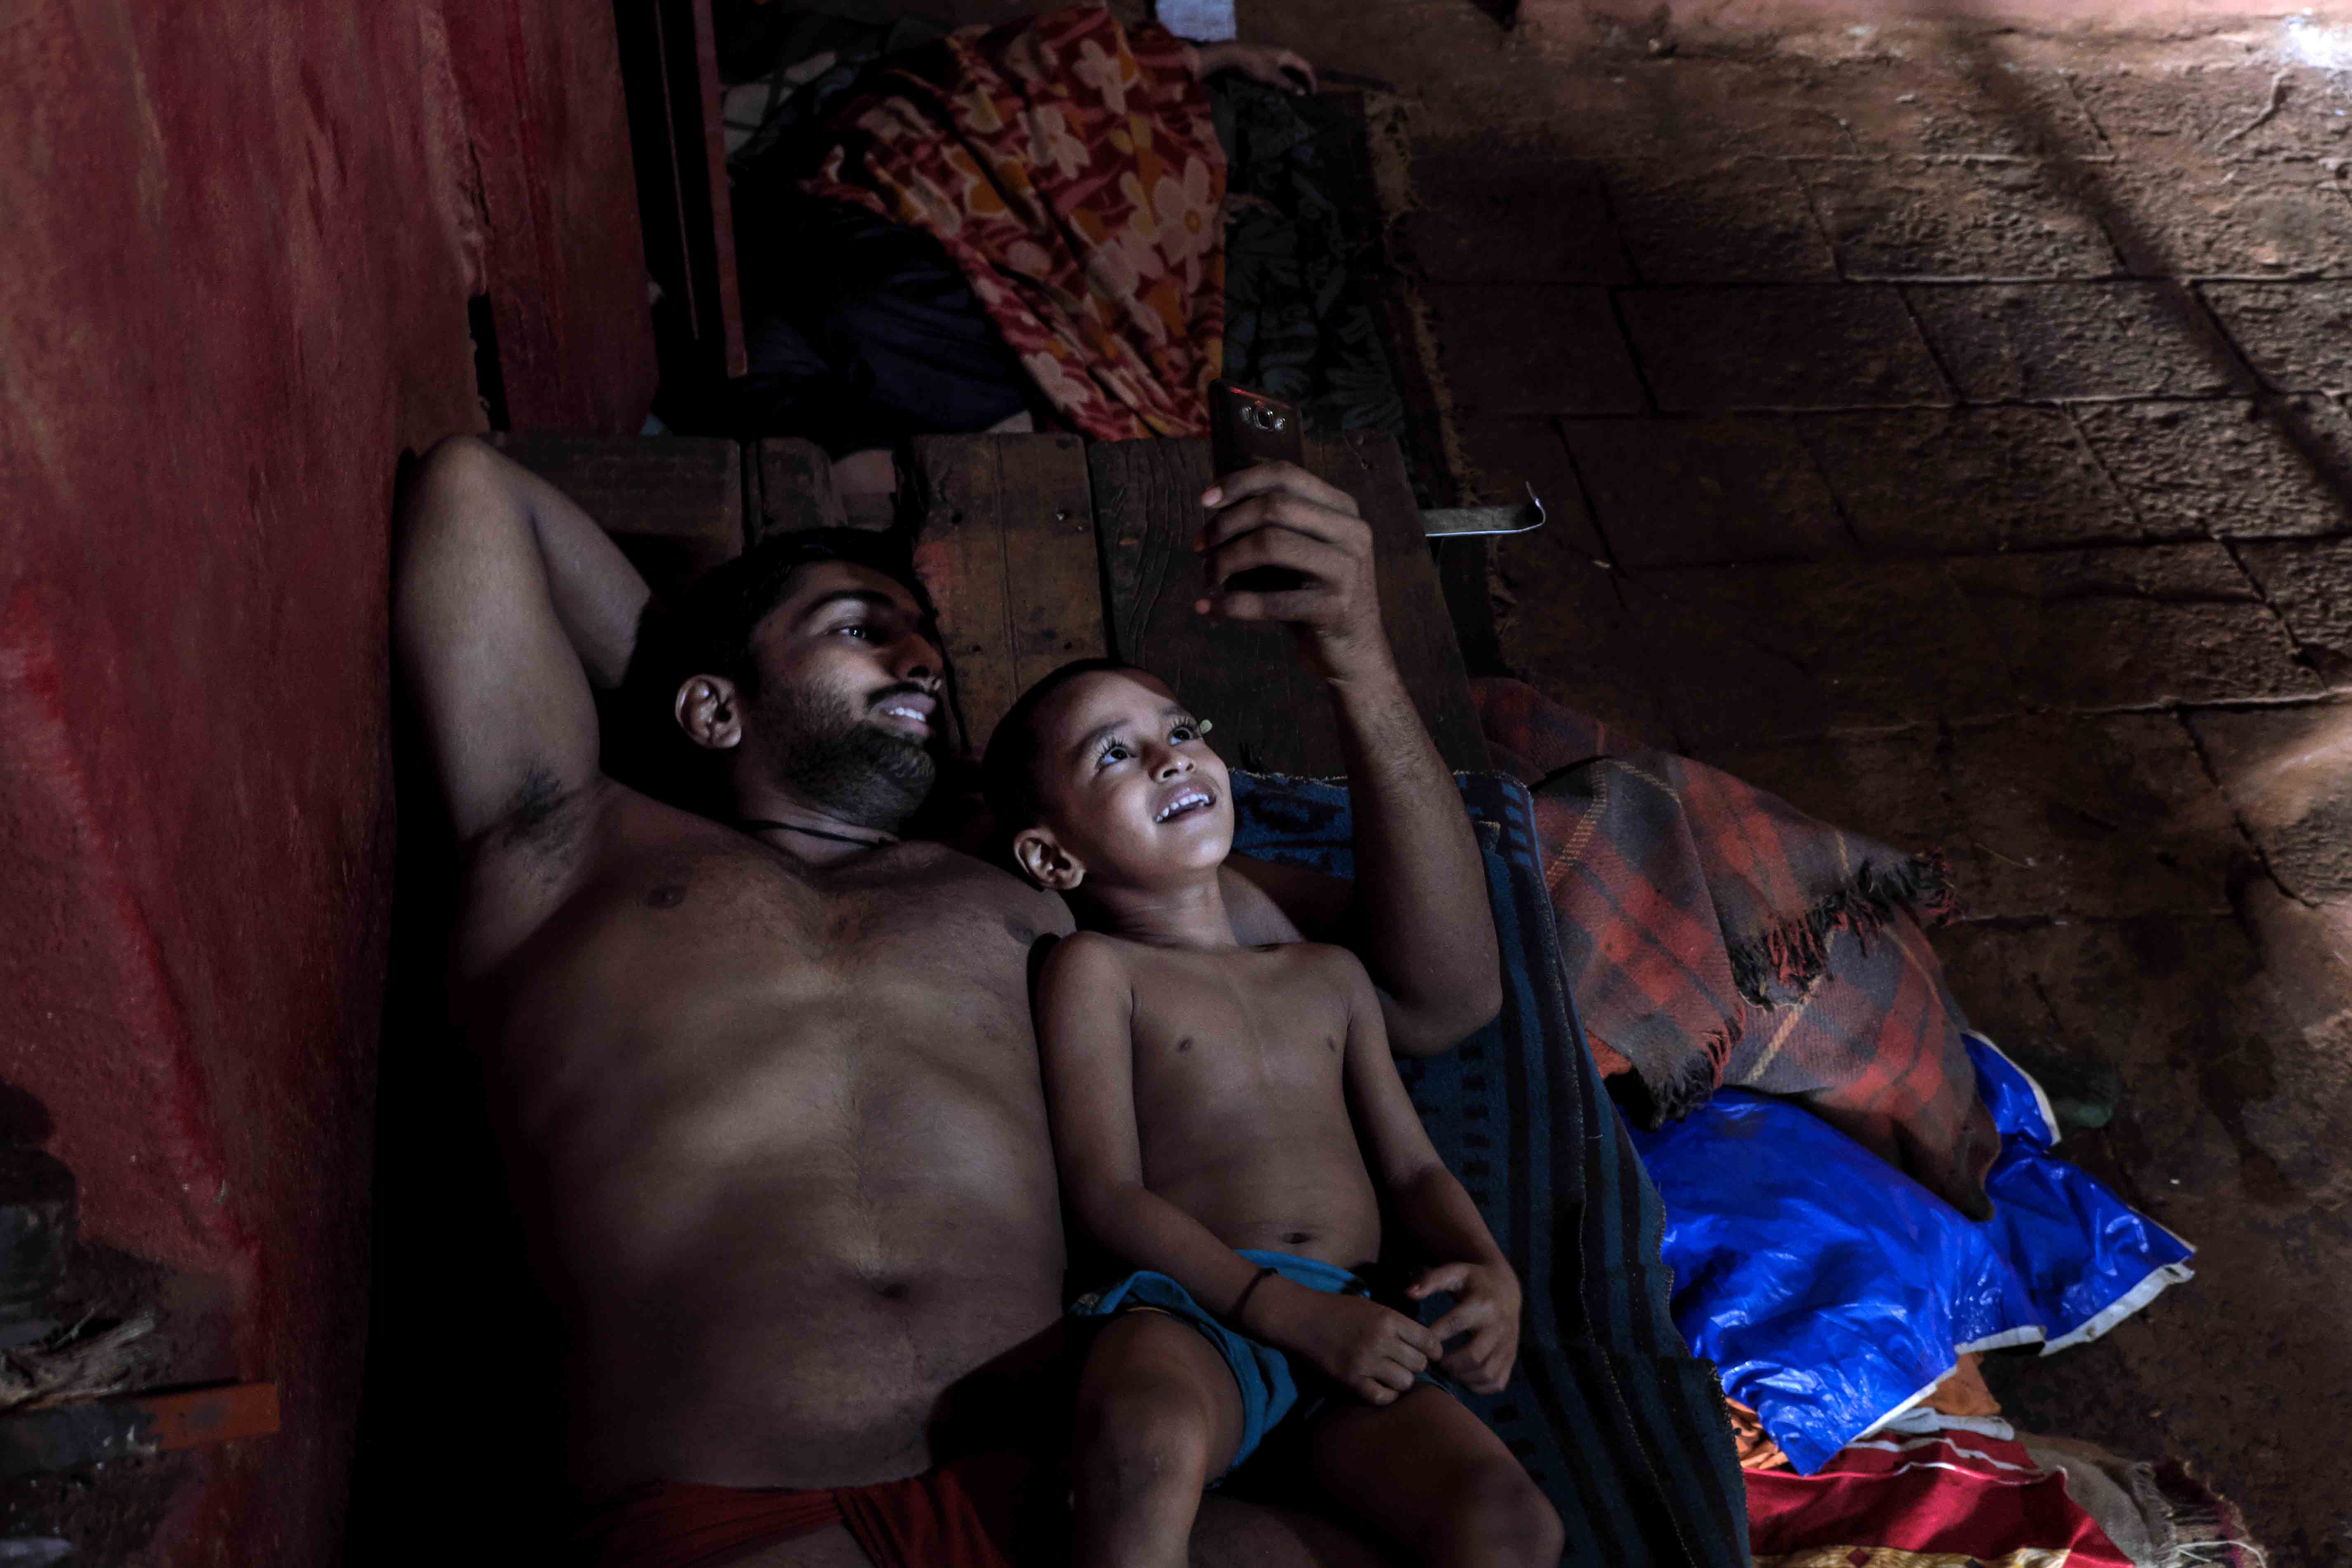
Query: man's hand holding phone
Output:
(1282,546)
(1279,516)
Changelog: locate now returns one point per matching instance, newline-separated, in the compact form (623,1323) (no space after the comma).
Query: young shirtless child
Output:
(1228,1119)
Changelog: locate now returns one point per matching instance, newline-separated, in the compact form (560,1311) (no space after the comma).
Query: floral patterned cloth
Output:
(1071,168)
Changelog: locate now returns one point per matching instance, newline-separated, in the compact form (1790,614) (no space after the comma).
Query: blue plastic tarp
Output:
(1834,1291)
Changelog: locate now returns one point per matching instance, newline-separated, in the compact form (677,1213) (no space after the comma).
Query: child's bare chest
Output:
(1209,1029)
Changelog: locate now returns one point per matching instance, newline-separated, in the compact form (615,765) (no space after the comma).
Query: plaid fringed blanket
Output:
(1715,934)
(1071,168)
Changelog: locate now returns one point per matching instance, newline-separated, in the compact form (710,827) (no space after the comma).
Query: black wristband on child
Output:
(1248,1291)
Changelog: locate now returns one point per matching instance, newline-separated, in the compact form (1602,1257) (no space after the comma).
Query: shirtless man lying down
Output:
(776,1072)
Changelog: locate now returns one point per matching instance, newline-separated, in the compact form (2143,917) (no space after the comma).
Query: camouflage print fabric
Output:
(1302,245)
(1070,167)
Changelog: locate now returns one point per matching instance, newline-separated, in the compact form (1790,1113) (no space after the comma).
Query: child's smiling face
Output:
(1128,790)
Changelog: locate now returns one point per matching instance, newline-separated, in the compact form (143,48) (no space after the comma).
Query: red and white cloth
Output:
(1926,1500)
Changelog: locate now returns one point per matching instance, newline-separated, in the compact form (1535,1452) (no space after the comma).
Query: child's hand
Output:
(1371,1352)
(1486,1307)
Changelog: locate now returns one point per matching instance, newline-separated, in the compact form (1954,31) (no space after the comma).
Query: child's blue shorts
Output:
(1269,1390)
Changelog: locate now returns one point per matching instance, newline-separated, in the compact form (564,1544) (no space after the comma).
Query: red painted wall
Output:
(236,241)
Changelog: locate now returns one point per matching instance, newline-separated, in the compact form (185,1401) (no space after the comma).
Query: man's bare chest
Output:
(919,910)
(705,1020)
(669,955)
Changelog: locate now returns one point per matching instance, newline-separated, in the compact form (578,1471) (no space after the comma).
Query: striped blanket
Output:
(1071,169)
(1714,934)
(1612,1416)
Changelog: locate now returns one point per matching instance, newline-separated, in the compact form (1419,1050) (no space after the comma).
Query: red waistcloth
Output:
(957,1516)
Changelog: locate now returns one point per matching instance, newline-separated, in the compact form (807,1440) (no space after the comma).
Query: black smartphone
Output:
(1247,428)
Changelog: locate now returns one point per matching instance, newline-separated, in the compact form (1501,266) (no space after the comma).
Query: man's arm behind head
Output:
(508,600)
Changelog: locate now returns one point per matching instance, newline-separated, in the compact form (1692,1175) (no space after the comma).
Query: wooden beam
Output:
(542,150)
(211,1415)
(793,488)
(673,503)
(1271,712)
(668,54)
(71,1436)
(716,261)
(1004,543)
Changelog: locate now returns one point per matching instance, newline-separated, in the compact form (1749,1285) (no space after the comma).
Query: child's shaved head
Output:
(1009,770)
(1099,775)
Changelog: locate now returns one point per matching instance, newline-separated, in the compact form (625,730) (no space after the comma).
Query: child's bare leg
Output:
(1159,1415)
(1430,1474)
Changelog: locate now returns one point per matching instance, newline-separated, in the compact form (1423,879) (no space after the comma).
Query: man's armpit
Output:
(542,817)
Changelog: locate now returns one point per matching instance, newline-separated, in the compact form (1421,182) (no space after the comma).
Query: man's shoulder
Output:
(1090,959)
(970,875)
(1096,952)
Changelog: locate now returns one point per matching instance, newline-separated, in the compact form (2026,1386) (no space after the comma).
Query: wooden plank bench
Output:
(1248,677)
(1038,549)
(673,503)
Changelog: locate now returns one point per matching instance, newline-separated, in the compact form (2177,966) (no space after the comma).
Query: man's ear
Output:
(1048,864)
(707,709)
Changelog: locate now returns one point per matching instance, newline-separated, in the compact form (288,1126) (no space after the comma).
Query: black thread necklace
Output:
(759,824)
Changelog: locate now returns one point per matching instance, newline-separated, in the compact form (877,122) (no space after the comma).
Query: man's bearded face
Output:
(829,743)
(841,711)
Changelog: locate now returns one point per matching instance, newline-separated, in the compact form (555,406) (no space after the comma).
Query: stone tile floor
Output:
(1948,429)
